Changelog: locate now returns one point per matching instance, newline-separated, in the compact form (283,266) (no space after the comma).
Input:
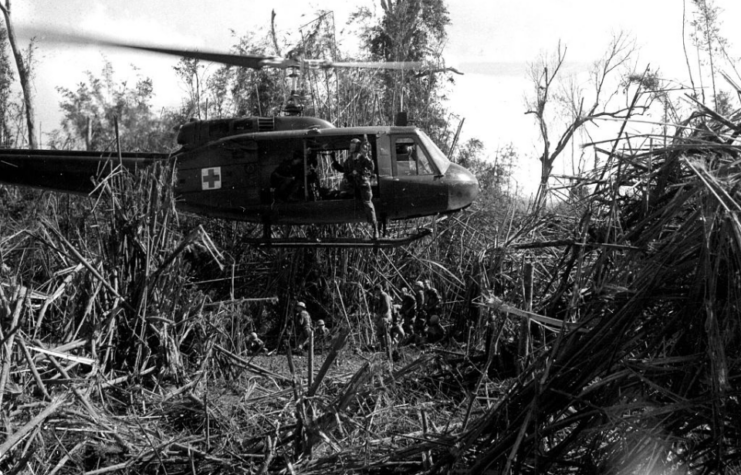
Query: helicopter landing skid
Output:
(341,242)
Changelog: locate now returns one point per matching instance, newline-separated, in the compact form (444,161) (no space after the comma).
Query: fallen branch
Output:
(547,322)
(251,366)
(336,347)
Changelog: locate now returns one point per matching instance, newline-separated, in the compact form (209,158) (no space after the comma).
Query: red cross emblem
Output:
(211,178)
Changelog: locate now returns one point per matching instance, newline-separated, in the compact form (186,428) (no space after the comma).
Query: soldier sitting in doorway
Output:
(284,180)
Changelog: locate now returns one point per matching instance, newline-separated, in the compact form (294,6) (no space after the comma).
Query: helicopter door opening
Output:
(327,160)
(314,170)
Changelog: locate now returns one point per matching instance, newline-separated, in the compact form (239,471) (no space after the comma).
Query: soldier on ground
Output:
(420,331)
(408,311)
(433,302)
(435,331)
(383,312)
(396,333)
(321,335)
(419,297)
(304,323)
(254,344)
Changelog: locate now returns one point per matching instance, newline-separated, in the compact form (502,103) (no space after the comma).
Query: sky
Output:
(491,41)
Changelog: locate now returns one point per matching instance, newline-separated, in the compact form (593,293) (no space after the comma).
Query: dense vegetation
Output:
(123,323)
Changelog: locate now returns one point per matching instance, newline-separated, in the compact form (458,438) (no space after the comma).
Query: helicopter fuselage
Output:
(227,169)
(233,177)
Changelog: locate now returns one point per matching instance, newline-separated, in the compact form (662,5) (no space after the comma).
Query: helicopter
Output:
(231,168)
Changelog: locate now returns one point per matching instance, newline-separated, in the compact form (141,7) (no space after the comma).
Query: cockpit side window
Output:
(411,158)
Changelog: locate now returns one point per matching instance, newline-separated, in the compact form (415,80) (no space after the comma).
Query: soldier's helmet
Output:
(320,323)
(434,320)
(301,305)
(252,336)
(419,284)
(354,145)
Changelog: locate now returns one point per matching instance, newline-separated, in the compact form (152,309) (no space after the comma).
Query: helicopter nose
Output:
(463,187)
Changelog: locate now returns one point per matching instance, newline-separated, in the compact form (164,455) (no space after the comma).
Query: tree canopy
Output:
(91,112)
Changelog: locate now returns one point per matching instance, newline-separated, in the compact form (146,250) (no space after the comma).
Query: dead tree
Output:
(544,76)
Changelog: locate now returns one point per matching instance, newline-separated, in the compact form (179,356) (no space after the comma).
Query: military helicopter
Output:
(231,168)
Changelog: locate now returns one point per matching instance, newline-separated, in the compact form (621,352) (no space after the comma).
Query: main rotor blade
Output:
(247,61)
(373,65)
(258,62)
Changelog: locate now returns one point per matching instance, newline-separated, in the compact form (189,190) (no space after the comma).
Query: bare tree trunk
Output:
(24,74)
(524,337)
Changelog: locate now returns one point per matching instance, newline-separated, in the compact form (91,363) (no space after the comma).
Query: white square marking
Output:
(211,178)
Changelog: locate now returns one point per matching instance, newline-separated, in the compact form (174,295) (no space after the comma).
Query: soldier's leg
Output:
(365,193)
(382,333)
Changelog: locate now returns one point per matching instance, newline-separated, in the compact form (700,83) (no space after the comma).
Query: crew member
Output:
(284,178)
(315,191)
(357,172)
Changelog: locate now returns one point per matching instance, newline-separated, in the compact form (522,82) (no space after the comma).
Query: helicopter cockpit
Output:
(411,159)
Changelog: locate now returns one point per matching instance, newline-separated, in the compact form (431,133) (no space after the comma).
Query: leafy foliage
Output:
(407,29)
(493,174)
(411,30)
(230,91)
(92,111)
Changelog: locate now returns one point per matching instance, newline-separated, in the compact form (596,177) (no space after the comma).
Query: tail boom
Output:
(66,171)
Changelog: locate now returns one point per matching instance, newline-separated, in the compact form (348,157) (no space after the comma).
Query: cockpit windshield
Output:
(438,157)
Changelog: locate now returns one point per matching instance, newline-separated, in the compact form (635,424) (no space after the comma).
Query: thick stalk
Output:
(24,75)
